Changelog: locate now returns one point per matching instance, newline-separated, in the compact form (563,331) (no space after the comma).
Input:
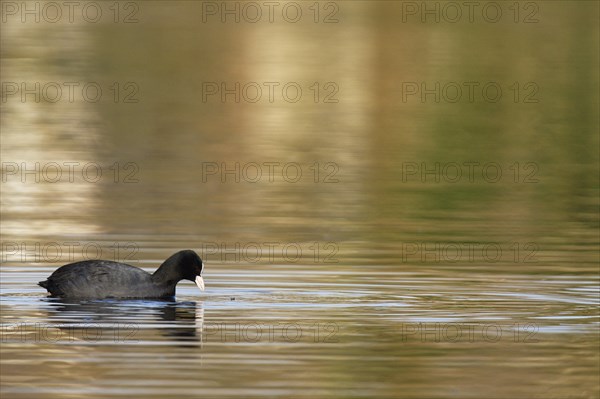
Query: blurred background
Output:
(396,174)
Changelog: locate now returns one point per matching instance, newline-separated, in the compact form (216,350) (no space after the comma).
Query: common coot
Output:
(98,279)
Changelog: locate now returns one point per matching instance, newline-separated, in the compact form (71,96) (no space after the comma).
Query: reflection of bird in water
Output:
(182,321)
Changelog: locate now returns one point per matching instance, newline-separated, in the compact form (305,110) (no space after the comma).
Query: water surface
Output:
(365,242)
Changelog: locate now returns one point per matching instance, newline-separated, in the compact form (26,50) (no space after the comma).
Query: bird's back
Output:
(99,279)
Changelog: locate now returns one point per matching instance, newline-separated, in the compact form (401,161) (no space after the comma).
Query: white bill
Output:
(200,282)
